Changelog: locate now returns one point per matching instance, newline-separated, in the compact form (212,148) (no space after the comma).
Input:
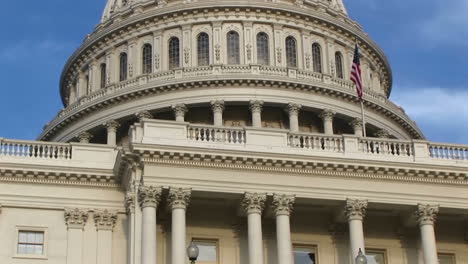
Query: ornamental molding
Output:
(327,115)
(76,218)
(111,125)
(149,196)
(130,203)
(74,113)
(427,214)
(179,198)
(101,38)
(256,106)
(301,167)
(254,203)
(217,106)
(355,209)
(283,204)
(180,110)
(293,109)
(105,220)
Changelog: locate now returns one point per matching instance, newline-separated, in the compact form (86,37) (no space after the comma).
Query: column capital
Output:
(283,204)
(327,114)
(85,137)
(149,196)
(112,125)
(105,220)
(217,105)
(382,133)
(76,218)
(356,123)
(256,106)
(254,202)
(130,203)
(355,209)
(179,198)
(143,115)
(427,214)
(180,109)
(293,109)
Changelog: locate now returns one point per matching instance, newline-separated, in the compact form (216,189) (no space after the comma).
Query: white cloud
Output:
(441,113)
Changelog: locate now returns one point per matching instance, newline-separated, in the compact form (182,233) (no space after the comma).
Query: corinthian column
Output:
(149,197)
(427,215)
(253,204)
(293,111)
(130,208)
(112,127)
(218,109)
(105,222)
(76,220)
(85,137)
(327,116)
(143,115)
(179,111)
(282,206)
(355,211)
(178,200)
(357,127)
(256,109)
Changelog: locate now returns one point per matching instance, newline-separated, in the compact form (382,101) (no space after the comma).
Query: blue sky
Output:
(426,42)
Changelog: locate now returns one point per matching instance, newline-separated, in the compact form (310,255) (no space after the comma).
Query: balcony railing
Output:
(35,149)
(386,147)
(316,142)
(216,134)
(448,152)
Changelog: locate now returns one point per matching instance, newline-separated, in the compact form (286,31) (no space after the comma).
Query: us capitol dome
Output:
(232,126)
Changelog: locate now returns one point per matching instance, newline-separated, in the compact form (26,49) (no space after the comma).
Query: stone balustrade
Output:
(319,142)
(35,149)
(448,151)
(216,134)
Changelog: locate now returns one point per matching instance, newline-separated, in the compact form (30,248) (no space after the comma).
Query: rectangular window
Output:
(305,254)
(31,243)
(446,258)
(208,251)
(376,256)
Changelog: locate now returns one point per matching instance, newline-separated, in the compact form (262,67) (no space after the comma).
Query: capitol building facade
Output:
(233,125)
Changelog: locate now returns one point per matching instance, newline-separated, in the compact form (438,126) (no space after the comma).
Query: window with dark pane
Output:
(263,49)
(291,52)
(339,65)
(147,59)
(305,255)
(317,57)
(123,66)
(103,75)
(30,243)
(233,48)
(174,53)
(203,49)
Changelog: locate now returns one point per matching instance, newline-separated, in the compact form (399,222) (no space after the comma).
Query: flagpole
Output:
(363,119)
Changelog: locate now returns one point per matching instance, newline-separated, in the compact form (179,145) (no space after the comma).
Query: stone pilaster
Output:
(179,111)
(130,204)
(85,137)
(105,220)
(76,218)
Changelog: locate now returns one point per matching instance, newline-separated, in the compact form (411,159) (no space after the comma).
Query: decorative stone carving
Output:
(157,60)
(249,51)
(256,106)
(85,137)
(254,202)
(179,197)
(130,203)
(144,115)
(217,106)
(382,133)
(327,115)
(112,125)
(293,109)
(149,196)
(356,124)
(130,70)
(186,55)
(179,111)
(105,220)
(427,214)
(218,52)
(279,55)
(355,209)
(308,59)
(76,218)
(283,204)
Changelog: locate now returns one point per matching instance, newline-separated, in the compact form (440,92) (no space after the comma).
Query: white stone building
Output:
(232,124)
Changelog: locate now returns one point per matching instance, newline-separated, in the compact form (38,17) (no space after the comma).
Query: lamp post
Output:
(193,251)
(361,258)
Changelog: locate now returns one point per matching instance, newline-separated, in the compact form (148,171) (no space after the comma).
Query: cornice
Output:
(127,94)
(113,29)
(319,166)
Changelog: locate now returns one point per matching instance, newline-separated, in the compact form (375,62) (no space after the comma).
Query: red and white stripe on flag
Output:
(356,74)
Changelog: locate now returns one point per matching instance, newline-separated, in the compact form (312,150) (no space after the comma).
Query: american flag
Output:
(356,75)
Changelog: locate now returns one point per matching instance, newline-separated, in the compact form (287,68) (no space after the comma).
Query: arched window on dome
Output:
(103,75)
(339,65)
(233,47)
(174,53)
(263,49)
(123,72)
(317,57)
(291,52)
(203,49)
(147,59)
